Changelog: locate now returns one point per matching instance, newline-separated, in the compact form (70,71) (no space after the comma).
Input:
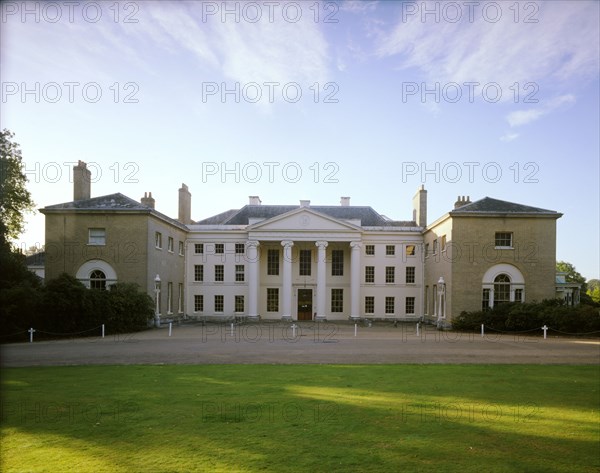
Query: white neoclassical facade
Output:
(304,263)
(307,262)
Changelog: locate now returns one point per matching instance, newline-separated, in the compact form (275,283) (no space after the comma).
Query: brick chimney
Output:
(344,201)
(460,201)
(148,200)
(420,207)
(82,178)
(185,205)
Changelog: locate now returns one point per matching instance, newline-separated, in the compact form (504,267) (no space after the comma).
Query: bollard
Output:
(170,328)
(544,328)
(482,333)
(417,329)
(355,329)
(102,330)
(31,330)
(294,331)
(232,329)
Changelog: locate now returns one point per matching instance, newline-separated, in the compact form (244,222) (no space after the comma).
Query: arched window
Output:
(501,289)
(97,280)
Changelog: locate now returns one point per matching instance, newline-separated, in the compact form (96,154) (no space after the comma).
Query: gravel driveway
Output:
(271,343)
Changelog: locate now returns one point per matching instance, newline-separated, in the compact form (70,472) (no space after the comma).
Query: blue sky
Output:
(307,100)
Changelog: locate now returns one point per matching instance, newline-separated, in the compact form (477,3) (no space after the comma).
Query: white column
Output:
(287,280)
(321,279)
(355,279)
(252,256)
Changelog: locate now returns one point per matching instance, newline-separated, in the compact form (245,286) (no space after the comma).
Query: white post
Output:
(294,331)
(355,329)
(232,329)
(417,329)
(321,278)
(544,328)
(31,330)
(355,279)
(157,308)
(170,328)
(287,280)
(252,256)
(482,333)
(102,330)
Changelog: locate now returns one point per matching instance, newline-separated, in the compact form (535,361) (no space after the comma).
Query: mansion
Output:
(306,262)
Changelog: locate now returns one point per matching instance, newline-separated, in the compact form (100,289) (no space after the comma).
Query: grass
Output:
(294,418)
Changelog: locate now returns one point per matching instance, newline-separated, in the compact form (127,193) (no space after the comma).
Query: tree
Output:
(571,274)
(594,290)
(15,199)
(592,284)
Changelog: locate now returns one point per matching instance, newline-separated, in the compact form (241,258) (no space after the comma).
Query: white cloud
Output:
(524,117)
(509,137)
(263,51)
(562,45)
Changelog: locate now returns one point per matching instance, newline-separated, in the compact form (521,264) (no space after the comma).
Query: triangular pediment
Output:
(303,220)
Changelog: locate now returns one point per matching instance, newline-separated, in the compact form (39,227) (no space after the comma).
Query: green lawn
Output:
(294,418)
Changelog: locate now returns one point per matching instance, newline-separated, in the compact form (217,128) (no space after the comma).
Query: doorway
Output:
(304,304)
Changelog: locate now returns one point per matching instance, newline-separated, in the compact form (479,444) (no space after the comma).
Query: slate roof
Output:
(116,202)
(367,216)
(37,259)
(488,205)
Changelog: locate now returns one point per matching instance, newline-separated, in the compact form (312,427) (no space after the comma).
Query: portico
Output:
(306,276)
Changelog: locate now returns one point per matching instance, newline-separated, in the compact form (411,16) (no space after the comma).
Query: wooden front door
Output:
(304,304)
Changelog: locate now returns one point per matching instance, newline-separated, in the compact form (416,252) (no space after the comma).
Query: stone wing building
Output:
(306,262)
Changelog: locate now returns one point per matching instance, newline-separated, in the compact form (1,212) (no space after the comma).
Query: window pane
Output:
(337,300)
(198,303)
(369,304)
(97,280)
(410,275)
(337,262)
(389,305)
(390,274)
(305,262)
(369,273)
(410,305)
(97,236)
(272,299)
(273,262)
(503,239)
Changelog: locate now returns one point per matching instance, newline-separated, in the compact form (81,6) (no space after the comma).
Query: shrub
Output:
(66,307)
(519,317)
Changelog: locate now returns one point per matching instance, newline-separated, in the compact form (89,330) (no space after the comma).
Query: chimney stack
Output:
(254,200)
(420,207)
(460,201)
(344,201)
(185,205)
(82,177)
(148,200)
(305,203)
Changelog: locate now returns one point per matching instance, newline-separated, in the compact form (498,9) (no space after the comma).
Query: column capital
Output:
(355,245)
(321,244)
(252,243)
(287,243)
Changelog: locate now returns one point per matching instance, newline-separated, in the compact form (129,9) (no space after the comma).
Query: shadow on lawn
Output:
(301,418)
